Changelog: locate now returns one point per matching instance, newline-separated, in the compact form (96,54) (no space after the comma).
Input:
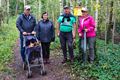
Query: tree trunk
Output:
(24,1)
(16,10)
(7,12)
(86,3)
(114,24)
(110,23)
(61,6)
(71,6)
(0,3)
(96,14)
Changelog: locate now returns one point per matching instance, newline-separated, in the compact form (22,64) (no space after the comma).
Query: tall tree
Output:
(24,1)
(96,14)
(110,23)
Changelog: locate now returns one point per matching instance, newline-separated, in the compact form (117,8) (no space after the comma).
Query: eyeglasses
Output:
(28,9)
(83,11)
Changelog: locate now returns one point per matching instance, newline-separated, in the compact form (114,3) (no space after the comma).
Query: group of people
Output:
(66,31)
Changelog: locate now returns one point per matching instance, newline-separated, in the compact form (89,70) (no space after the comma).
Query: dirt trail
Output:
(55,70)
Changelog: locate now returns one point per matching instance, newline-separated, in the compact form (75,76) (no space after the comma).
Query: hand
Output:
(74,40)
(53,39)
(24,33)
(80,34)
(58,33)
(34,32)
(73,35)
(95,29)
(86,30)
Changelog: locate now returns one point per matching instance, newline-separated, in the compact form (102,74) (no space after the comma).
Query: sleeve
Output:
(35,25)
(92,24)
(53,32)
(79,30)
(79,26)
(59,19)
(38,30)
(74,19)
(19,24)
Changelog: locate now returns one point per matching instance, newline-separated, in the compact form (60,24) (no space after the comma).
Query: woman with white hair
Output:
(87,25)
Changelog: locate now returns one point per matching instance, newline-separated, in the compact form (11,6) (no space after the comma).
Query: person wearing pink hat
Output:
(87,24)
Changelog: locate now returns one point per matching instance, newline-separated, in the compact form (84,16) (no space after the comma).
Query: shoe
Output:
(47,61)
(64,61)
(24,65)
(71,61)
(91,62)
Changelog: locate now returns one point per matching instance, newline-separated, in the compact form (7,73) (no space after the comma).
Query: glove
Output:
(53,39)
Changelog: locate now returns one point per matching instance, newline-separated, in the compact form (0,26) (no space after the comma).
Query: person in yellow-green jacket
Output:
(67,31)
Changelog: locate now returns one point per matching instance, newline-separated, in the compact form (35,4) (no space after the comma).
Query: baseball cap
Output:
(66,7)
(84,9)
(27,7)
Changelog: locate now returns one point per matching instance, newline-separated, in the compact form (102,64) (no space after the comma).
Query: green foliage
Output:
(106,66)
(14,6)
(1,15)
(8,36)
(55,44)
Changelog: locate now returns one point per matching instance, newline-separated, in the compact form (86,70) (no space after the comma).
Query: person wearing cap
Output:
(87,24)
(66,30)
(26,24)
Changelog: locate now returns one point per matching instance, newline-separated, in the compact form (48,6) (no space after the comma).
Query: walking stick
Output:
(85,47)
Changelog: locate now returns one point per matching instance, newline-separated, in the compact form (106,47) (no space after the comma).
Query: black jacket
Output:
(26,24)
(45,31)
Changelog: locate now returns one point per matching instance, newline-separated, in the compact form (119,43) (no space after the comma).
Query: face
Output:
(67,11)
(27,11)
(45,16)
(84,13)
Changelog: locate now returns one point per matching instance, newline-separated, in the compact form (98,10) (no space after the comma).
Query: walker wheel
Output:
(43,73)
(29,75)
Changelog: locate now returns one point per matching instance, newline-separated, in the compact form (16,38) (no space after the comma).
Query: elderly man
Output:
(66,32)
(26,24)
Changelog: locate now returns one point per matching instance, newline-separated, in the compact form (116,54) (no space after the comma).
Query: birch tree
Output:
(96,14)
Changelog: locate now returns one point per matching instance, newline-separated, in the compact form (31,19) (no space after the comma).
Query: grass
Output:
(106,66)
(8,36)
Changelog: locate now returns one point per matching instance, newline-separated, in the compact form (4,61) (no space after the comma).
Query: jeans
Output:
(91,46)
(66,39)
(22,49)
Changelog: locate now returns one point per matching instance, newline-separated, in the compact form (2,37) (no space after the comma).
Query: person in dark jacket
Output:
(46,35)
(26,24)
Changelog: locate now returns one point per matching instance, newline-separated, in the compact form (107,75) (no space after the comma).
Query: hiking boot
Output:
(91,62)
(72,61)
(47,61)
(64,61)
(24,65)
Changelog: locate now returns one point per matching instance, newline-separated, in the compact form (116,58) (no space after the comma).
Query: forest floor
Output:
(55,70)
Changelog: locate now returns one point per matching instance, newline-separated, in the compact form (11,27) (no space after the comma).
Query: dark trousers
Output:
(45,50)
(22,49)
(66,39)
(91,46)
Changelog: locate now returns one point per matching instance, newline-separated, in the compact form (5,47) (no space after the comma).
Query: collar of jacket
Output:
(67,15)
(45,21)
(87,17)
(29,17)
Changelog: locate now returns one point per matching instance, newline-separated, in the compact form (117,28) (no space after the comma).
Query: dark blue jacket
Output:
(26,24)
(45,31)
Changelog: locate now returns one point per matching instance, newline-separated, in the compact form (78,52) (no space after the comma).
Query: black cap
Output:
(66,7)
